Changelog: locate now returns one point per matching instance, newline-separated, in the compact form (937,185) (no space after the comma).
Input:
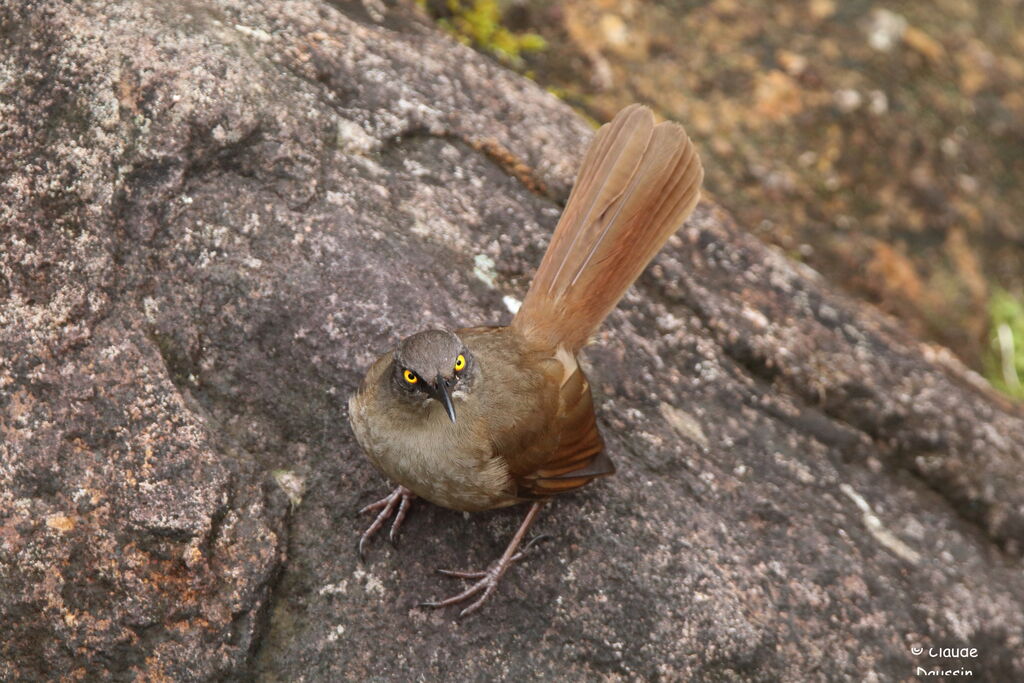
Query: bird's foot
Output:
(398,499)
(486,581)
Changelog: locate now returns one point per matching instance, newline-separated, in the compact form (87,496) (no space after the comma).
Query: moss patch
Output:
(1004,364)
(480,23)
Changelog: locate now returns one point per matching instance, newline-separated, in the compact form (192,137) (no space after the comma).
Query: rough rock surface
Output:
(216,214)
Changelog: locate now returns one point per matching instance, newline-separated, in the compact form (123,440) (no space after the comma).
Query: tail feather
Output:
(637,184)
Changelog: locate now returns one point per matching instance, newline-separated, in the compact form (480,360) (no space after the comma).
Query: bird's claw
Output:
(486,581)
(398,499)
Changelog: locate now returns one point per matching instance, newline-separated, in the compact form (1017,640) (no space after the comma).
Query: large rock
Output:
(216,214)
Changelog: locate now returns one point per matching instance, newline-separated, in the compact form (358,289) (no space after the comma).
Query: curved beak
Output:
(442,394)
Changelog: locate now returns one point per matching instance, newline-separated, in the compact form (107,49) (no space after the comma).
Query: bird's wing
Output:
(537,414)
(576,453)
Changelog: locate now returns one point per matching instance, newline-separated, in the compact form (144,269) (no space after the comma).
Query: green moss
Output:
(478,23)
(1004,362)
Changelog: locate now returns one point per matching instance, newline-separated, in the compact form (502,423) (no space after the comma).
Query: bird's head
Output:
(433,365)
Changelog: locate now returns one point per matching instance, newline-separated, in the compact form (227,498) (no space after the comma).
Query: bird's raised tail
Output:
(636,186)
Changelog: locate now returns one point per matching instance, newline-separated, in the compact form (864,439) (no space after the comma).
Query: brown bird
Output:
(486,417)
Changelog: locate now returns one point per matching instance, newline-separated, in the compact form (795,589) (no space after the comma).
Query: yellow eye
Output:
(460,363)
(410,377)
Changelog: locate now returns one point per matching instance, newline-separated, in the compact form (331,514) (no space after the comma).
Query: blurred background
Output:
(881,144)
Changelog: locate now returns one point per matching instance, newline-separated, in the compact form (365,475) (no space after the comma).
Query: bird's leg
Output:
(488,579)
(400,499)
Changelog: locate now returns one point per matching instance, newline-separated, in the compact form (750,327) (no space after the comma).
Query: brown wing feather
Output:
(579,454)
